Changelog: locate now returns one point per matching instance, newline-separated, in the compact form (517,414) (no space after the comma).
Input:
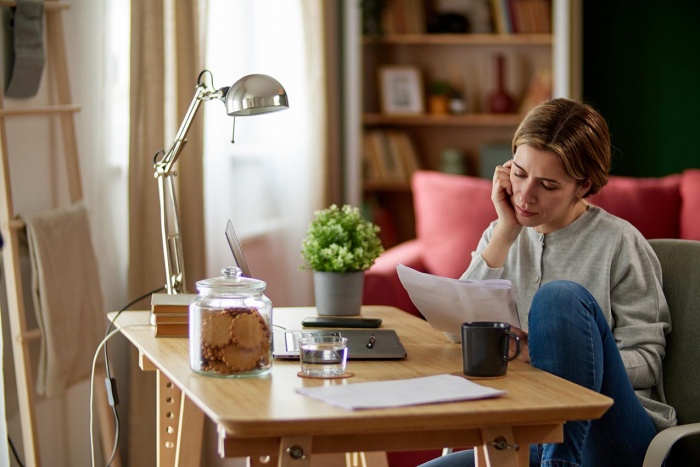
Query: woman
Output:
(588,285)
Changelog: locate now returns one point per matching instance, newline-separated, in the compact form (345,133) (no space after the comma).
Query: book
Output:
(389,170)
(389,156)
(415,16)
(542,13)
(531,16)
(163,304)
(170,318)
(522,16)
(497,15)
(409,155)
(172,330)
(396,152)
(371,172)
(171,303)
(538,91)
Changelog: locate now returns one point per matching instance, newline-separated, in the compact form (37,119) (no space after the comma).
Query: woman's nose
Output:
(527,193)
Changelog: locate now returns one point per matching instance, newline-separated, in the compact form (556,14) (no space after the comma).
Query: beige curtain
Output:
(158,26)
(330,58)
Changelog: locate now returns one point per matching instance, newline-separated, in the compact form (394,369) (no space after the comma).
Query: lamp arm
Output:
(169,221)
(170,232)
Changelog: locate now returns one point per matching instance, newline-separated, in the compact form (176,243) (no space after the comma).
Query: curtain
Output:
(300,175)
(165,62)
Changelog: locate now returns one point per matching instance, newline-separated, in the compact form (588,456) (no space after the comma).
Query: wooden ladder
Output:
(11,227)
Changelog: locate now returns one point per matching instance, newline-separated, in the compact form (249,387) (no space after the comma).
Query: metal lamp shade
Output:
(255,94)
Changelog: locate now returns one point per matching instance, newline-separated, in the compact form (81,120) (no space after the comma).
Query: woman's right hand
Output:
(507,228)
(500,196)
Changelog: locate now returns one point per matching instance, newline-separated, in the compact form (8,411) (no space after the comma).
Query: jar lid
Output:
(231,282)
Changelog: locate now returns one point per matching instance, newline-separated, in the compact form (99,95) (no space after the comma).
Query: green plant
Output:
(440,88)
(340,240)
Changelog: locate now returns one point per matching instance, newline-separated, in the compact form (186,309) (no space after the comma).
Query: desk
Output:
(266,417)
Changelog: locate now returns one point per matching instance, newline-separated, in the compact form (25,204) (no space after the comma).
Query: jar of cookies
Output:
(230,327)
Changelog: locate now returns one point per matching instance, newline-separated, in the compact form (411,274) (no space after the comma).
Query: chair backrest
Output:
(680,262)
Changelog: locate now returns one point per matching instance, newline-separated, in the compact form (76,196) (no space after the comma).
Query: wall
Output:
(39,183)
(641,71)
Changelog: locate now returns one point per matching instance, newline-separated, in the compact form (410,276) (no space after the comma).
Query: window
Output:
(262,179)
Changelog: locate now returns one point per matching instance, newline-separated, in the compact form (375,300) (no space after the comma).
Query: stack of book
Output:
(170,314)
(538,91)
(389,156)
(404,17)
(522,16)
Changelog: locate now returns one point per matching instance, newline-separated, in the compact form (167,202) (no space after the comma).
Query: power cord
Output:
(92,380)
(14,451)
(110,382)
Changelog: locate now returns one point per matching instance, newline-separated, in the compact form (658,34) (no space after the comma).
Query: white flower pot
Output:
(338,293)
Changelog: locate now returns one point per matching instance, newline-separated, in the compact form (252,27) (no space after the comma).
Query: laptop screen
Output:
(235,246)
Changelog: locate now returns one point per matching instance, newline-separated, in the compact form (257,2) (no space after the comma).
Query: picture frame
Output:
(401,90)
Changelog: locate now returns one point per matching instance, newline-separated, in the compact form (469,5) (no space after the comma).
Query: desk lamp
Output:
(251,95)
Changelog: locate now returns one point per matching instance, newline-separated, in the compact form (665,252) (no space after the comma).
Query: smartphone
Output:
(338,322)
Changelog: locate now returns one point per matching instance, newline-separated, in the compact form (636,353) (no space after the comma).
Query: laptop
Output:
(363,344)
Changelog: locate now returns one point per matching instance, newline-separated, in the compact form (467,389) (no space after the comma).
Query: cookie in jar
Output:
(231,327)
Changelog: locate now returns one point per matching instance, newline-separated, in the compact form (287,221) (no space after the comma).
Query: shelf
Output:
(461,39)
(465,120)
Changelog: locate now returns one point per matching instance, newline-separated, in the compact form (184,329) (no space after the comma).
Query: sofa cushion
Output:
(452,211)
(690,208)
(652,205)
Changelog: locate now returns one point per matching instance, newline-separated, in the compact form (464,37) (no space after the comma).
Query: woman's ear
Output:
(583,188)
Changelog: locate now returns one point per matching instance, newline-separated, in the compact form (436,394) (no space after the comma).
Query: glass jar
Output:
(231,327)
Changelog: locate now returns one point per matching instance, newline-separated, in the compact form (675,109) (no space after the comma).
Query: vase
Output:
(438,104)
(500,101)
(338,293)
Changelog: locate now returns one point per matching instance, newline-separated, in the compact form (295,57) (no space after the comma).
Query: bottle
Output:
(500,101)
(231,327)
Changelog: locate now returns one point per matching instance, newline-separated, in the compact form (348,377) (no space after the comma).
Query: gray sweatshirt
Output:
(613,261)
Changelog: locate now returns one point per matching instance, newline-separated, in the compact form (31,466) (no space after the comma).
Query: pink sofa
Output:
(452,212)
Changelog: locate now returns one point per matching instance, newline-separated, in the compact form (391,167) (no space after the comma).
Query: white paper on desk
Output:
(398,393)
(447,303)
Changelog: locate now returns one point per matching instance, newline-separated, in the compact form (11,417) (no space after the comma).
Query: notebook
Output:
(363,344)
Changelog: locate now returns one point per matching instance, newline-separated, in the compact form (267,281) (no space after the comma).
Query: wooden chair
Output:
(680,261)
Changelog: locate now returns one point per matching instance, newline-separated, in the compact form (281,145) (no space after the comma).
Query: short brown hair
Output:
(575,132)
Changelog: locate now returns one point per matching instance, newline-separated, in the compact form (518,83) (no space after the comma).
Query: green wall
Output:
(642,71)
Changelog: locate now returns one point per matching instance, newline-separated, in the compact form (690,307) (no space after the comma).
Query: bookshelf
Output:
(466,61)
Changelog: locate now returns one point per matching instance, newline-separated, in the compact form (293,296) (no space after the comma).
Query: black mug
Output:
(485,348)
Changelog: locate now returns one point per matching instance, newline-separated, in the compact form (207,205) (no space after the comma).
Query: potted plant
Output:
(439,93)
(339,246)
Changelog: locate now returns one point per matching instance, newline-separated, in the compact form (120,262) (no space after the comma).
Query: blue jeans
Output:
(569,337)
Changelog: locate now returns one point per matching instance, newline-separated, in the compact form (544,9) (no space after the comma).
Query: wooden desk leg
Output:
(295,451)
(176,414)
(498,449)
(168,400)
(189,448)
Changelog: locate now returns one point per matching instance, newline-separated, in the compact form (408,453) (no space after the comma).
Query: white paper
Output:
(447,303)
(402,392)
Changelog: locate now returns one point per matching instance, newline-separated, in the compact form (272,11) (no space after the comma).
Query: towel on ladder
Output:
(67,296)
